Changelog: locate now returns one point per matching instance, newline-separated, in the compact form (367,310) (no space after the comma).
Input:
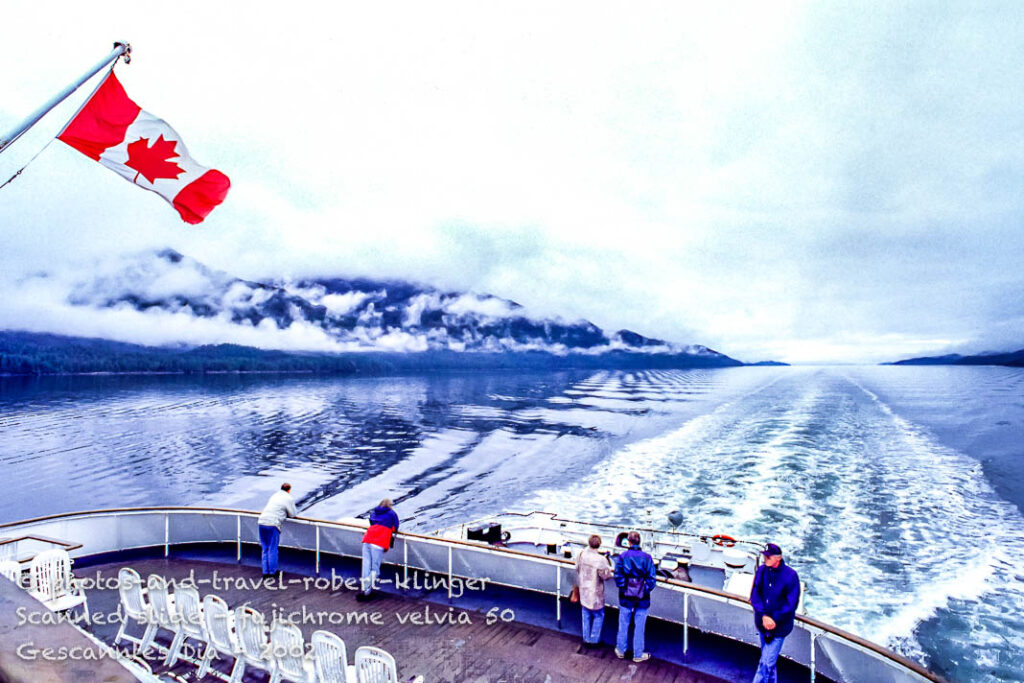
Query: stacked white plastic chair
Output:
(253,645)
(330,659)
(11,569)
(374,665)
(288,648)
(133,606)
(52,583)
(161,608)
(219,638)
(190,621)
(241,635)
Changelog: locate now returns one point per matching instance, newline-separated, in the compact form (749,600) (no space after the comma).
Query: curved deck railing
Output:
(822,648)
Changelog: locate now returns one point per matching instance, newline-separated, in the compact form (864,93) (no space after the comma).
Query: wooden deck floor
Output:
(449,652)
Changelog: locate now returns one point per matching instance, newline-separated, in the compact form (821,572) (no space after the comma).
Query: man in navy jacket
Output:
(636,578)
(774,596)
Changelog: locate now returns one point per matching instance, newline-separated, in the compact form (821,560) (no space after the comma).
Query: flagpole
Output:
(120,49)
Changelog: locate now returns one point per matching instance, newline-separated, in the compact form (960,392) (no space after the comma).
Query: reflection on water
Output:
(92,442)
(888,486)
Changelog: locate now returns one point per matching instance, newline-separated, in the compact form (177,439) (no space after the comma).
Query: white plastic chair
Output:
(219,638)
(133,604)
(11,569)
(288,648)
(161,609)
(52,583)
(374,665)
(330,659)
(190,621)
(253,644)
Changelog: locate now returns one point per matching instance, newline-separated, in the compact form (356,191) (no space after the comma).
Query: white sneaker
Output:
(620,654)
(642,658)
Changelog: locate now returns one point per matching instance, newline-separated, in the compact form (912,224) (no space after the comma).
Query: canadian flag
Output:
(116,132)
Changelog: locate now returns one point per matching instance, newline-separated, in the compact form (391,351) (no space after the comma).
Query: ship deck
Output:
(452,651)
(696,634)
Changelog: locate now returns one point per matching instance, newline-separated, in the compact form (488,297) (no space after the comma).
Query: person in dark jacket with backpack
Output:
(636,578)
(774,596)
(378,538)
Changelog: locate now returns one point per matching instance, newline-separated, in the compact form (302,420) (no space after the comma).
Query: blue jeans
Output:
(372,556)
(766,672)
(269,537)
(639,617)
(593,620)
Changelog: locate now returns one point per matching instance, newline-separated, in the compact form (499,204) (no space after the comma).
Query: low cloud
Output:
(165,298)
(44,304)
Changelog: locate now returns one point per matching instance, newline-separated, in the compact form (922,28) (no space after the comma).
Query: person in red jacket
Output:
(378,538)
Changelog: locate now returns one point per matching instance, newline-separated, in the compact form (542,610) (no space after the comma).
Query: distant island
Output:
(768,363)
(31,353)
(1012,359)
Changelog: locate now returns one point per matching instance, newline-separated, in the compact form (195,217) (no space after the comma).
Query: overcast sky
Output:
(825,181)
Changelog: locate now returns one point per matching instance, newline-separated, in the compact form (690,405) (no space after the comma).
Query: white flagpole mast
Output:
(120,49)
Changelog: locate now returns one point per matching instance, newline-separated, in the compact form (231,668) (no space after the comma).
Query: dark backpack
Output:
(636,588)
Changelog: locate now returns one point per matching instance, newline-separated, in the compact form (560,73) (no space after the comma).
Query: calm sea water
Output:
(896,491)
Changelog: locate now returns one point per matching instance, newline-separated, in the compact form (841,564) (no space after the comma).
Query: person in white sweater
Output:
(592,570)
(280,506)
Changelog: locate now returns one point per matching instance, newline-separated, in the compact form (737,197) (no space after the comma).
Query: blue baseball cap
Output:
(771,549)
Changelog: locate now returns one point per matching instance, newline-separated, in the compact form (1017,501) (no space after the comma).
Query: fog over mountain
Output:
(163,297)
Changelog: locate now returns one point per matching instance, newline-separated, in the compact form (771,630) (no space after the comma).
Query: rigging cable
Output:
(122,50)
(18,172)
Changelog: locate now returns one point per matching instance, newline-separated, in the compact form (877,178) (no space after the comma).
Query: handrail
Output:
(433,539)
(874,647)
(150,508)
(45,539)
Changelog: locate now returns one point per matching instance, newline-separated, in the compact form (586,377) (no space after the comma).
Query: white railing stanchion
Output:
(238,538)
(405,562)
(449,575)
(814,639)
(167,534)
(558,594)
(686,622)
(318,550)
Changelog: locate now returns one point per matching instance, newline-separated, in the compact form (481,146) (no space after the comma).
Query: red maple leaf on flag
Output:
(153,162)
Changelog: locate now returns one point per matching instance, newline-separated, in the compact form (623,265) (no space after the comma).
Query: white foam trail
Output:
(970,582)
(887,526)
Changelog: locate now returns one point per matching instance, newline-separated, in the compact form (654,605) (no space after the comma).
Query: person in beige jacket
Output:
(592,570)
